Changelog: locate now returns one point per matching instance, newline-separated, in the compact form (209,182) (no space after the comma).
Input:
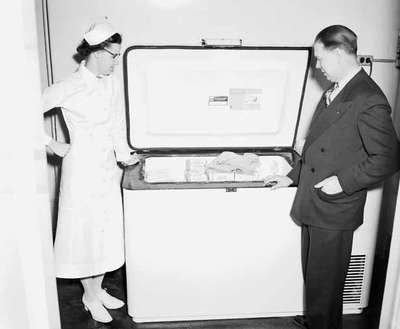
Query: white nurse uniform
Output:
(89,238)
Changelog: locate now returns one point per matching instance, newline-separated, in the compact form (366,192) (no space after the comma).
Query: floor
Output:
(73,315)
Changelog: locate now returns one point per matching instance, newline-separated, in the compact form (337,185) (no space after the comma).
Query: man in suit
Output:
(351,145)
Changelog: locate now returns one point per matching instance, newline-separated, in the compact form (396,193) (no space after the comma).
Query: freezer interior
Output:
(232,168)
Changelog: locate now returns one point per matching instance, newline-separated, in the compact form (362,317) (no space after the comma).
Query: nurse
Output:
(89,239)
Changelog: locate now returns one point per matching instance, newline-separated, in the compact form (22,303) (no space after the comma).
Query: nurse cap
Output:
(99,32)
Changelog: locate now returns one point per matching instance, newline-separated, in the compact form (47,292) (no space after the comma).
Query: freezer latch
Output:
(231,189)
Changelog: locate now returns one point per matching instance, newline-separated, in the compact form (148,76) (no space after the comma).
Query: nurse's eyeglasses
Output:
(114,55)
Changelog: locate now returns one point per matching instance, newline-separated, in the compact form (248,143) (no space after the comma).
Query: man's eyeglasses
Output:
(114,55)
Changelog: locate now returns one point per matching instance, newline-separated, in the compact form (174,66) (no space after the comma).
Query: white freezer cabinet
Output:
(194,251)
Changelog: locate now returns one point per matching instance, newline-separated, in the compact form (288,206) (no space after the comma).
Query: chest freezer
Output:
(205,243)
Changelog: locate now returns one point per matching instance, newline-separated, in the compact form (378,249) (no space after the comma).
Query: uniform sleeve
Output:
(52,97)
(57,95)
(381,145)
(119,136)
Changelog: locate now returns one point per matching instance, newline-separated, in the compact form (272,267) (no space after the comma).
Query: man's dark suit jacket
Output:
(354,139)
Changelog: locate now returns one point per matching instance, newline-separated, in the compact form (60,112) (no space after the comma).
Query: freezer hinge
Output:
(221,43)
(231,189)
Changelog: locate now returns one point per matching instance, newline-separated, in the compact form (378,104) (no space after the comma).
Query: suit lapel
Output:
(324,116)
(327,118)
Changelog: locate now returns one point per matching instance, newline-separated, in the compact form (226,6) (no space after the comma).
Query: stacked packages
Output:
(226,167)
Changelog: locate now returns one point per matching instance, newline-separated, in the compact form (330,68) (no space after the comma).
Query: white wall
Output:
(257,22)
(390,315)
(28,297)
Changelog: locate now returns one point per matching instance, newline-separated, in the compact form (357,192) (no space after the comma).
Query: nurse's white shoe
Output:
(97,311)
(109,301)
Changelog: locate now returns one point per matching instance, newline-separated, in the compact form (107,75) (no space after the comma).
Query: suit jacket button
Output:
(312,169)
(322,149)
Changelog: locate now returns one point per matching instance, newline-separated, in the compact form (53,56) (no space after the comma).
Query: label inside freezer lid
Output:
(240,99)
(245,99)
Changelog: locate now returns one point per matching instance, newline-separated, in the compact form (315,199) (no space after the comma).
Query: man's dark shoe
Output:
(300,321)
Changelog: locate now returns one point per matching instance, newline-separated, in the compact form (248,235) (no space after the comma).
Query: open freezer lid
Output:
(180,97)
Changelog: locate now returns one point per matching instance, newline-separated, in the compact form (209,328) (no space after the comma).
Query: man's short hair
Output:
(338,36)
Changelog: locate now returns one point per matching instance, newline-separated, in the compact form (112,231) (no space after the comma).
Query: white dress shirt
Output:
(343,82)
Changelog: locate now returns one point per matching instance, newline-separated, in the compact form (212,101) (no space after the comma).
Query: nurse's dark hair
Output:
(338,36)
(84,49)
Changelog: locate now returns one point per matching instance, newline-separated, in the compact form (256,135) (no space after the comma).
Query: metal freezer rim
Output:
(134,177)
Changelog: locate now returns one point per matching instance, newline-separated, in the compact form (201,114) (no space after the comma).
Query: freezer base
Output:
(210,254)
(225,317)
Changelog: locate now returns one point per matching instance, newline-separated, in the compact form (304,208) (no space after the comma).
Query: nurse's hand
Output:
(59,148)
(277,181)
(133,159)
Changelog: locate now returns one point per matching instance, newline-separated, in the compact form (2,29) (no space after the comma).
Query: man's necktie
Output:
(328,93)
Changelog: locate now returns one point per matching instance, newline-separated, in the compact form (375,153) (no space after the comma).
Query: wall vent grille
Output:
(354,280)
